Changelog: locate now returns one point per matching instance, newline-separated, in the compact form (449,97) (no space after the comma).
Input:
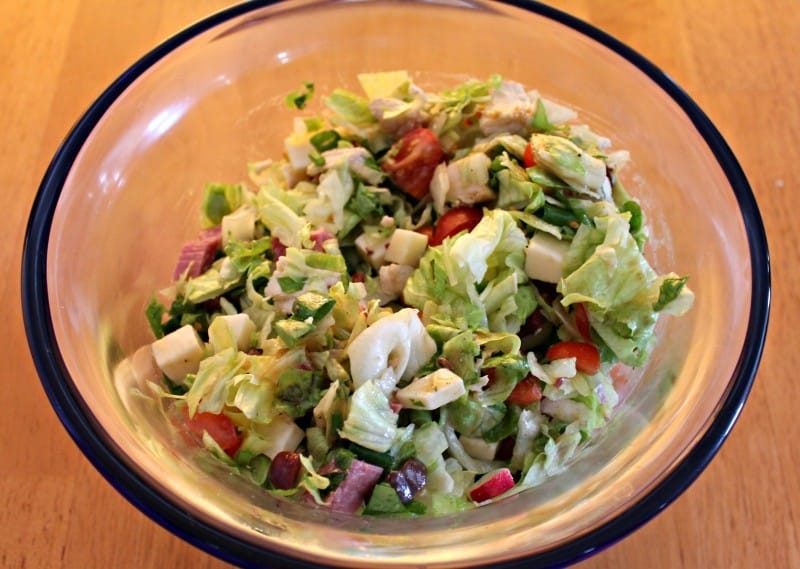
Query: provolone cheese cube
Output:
(179,352)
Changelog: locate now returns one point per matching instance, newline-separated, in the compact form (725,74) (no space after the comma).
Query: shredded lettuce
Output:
(343,320)
(583,172)
(349,107)
(370,423)
(608,273)
(446,284)
(218,201)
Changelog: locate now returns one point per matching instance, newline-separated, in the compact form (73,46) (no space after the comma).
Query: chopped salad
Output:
(422,307)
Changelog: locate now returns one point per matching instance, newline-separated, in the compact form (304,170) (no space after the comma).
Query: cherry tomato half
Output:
(526,391)
(411,161)
(427,231)
(455,221)
(219,427)
(587,355)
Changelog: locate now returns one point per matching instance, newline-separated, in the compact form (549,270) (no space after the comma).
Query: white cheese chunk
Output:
(280,434)
(432,391)
(406,247)
(179,352)
(544,257)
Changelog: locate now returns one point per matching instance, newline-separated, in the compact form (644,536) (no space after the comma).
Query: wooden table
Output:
(736,58)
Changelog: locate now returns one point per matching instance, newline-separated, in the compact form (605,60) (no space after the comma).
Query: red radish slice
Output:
(491,485)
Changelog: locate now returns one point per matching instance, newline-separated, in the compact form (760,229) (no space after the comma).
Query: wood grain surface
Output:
(736,58)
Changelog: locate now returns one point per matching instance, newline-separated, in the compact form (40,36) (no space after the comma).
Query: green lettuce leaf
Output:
(606,270)
(473,280)
(281,220)
(218,201)
(584,173)
(349,107)
(370,423)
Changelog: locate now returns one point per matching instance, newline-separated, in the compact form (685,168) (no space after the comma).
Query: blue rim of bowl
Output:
(89,437)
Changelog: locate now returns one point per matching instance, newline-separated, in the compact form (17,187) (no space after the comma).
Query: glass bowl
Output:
(121,195)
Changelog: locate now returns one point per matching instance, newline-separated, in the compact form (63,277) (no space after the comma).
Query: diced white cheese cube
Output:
(281,434)
(406,247)
(478,448)
(544,257)
(179,352)
(432,391)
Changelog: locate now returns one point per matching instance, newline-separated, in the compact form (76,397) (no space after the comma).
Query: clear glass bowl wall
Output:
(131,199)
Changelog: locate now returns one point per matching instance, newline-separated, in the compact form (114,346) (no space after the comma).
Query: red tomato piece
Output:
(455,221)
(582,322)
(411,161)
(587,355)
(528,159)
(219,427)
(526,391)
(427,231)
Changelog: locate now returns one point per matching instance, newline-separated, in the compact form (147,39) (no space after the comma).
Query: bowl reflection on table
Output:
(122,194)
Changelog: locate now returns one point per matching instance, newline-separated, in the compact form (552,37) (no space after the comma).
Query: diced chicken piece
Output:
(391,281)
(509,111)
(469,180)
(398,117)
